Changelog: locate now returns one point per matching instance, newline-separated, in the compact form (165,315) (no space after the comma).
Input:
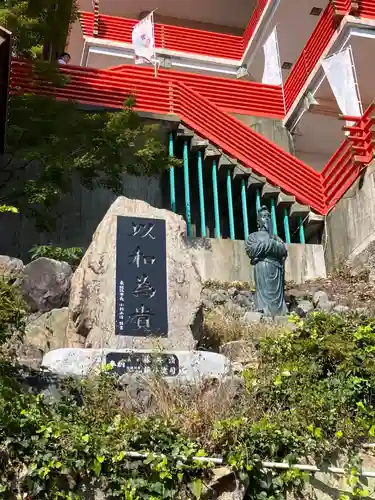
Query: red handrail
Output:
(254,20)
(346,164)
(312,52)
(167,36)
(366,8)
(249,147)
(109,88)
(342,7)
(234,96)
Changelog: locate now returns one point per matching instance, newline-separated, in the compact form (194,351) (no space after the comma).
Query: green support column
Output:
(257,200)
(187,188)
(286,225)
(244,209)
(230,204)
(301,231)
(201,195)
(216,200)
(273,216)
(172,184)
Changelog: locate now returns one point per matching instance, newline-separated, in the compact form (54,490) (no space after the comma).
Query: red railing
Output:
(312,52)
(110,87)
(167,36)
(249,147)
(341,7)
(366,8)
(234,96)
(346,164)
(254,20)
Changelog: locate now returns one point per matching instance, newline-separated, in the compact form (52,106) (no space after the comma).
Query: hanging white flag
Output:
(272,70)
(144,41)
(340,73)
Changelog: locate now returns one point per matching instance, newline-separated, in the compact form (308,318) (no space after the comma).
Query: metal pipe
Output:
(273,216)
(172,182)
(230,204)
(244,210)
(187,188)
(216,200)
(286,225)
(201,195)
(265,464)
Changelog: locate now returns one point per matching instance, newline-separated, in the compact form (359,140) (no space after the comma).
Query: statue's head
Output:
(263,219)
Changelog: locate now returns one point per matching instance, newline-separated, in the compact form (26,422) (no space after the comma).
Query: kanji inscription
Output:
(141,278)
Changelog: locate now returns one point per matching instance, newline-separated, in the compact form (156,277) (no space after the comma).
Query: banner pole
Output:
(280,69)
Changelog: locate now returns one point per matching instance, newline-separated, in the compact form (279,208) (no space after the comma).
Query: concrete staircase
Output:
(283,206)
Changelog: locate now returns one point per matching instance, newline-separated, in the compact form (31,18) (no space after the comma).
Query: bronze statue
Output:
(267,253)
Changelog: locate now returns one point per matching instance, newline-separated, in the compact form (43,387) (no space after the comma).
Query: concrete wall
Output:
(350,227)
(226,260)
(269,128)
(77,217)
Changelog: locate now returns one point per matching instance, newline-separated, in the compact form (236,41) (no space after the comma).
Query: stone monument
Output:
(267,253)
(137,286)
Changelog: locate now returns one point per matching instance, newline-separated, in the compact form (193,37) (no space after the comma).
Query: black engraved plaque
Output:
(141,278)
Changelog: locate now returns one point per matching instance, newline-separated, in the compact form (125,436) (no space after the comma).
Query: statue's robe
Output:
(267,254)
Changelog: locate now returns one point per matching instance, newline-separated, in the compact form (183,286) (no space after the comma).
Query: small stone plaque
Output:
(141,278)
(143,363)
(174,366)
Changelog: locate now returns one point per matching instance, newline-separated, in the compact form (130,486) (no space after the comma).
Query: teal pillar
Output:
(187,188)
(244,209)
(286,225)
(216,200)
(273,216)
(301,231)
(257,200)
(230,204)
(201,195)
(172,184)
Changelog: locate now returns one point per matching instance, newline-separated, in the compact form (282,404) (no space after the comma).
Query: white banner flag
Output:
(340,73)
(272,70)
(144,41)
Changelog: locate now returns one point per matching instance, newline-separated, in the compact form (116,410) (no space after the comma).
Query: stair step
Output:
(255,181)
(184,132)
(298,210)
(285,200)
(270,191)
(240,172)
(198,143)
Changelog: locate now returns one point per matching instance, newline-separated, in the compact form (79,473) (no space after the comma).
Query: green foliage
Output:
(52,145)
(71,255)
(12,312)
(311,397)
(38,24)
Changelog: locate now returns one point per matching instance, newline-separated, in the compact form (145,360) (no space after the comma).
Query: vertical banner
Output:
(143,39)
(272,74)
(341,75)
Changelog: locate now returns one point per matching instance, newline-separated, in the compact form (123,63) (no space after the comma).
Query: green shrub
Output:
(72,255)
(12,312)
(310,398)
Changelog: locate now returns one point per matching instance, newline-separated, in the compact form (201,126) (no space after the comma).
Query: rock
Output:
(253,317)
(92,298)
(237,367)
(306,306)
(10,267)
(219,297)
(326,306)
(208,304)
(225,485)
(284,321)
(47,331)
(232,291)
(320,298)
(45,284)
(30,356)
(240,351)
(185,366)
(341,309)
(244,301)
